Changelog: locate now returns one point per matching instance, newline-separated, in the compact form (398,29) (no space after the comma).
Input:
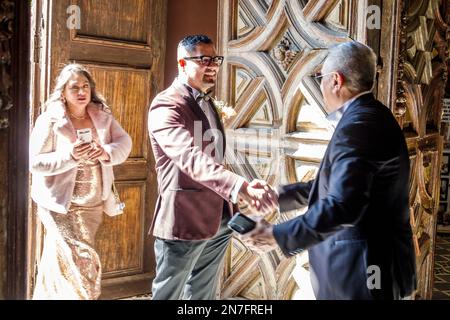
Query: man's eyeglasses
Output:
(318,75)
(206,60)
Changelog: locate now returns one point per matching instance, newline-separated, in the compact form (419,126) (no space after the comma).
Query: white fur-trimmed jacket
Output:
(51,164)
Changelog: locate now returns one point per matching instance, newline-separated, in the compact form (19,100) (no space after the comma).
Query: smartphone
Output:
(241,223)
(85,135)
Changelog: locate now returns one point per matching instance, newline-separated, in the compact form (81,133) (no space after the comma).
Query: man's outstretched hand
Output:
(260,239)
(259,195)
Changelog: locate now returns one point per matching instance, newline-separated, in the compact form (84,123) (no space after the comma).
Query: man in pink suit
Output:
(196,192)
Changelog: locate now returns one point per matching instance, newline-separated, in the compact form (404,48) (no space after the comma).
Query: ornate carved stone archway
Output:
(279,133)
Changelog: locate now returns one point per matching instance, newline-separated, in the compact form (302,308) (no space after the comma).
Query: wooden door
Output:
(271,46)
(122,43)
(280,132)
(412,83)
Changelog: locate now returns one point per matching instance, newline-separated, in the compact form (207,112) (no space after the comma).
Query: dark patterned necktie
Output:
(205,96)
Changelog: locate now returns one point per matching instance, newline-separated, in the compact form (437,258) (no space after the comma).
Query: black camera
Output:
(241,223)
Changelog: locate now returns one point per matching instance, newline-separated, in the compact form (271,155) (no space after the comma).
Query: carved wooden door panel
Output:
(271,46)
(280,132)
(417,76)
(122,44)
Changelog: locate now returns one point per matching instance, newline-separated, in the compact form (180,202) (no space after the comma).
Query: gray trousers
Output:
(190,269)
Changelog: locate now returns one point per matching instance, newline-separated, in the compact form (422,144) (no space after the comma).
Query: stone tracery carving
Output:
(267,82)
(423,40)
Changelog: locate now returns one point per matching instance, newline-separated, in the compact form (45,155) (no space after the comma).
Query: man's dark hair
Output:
(190,42)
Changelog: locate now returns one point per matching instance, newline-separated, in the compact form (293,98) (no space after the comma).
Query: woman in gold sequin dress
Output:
(72,182)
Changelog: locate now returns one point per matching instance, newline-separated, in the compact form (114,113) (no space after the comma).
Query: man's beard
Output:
(209,81)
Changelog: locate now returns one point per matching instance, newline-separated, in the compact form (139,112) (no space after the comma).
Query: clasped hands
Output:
(89,151)
(260,196)
(263,198)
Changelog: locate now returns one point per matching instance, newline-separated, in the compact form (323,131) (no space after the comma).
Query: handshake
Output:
(259,195)
(263,199)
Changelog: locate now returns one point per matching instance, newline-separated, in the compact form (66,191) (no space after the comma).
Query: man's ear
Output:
(338,79)
(182,63)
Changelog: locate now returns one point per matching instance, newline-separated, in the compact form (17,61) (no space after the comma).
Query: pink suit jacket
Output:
(192,184)
(53,168)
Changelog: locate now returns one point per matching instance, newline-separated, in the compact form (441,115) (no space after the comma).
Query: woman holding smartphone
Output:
(74,145)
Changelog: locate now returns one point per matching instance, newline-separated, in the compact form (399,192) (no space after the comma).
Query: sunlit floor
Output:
(141,297)
(441,290)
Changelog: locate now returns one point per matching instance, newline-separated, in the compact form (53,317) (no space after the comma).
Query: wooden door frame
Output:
(391,88)
(18,174)
(39,90)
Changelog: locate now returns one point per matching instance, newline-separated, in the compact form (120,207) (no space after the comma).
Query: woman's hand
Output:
(80,150)
(97,152)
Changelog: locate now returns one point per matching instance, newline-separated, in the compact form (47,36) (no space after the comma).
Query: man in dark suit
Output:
(356,229)
(196,192)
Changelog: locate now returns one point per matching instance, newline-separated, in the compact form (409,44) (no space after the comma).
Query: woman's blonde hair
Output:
(63,78)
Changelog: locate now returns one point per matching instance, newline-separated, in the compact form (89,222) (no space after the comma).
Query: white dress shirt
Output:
(336,116)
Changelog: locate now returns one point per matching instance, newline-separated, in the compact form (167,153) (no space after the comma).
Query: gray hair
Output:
(357,62)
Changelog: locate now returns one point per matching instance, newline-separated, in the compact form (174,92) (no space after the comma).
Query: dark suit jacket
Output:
(358,213)
(192,186)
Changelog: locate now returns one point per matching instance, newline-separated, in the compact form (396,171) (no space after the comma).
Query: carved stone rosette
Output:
(284,54)
(421,77)
(6,33)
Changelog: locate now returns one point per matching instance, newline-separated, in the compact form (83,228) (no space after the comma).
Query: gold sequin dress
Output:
(70,267)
